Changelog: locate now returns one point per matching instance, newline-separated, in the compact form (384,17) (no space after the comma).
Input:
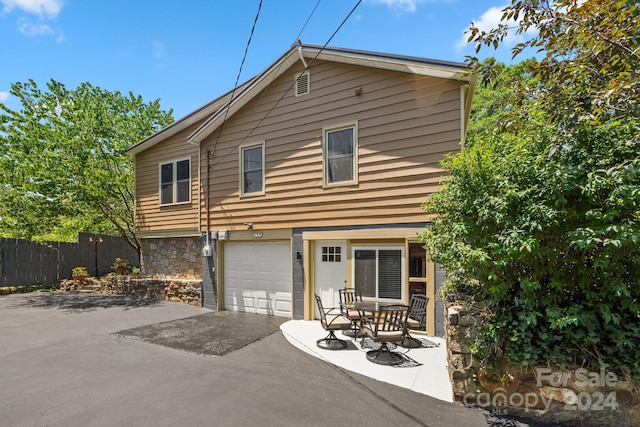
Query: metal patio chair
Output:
(415,320)
(349,296)
(387,326)
(332,321)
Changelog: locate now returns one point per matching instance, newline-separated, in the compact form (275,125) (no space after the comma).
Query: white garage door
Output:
(257,278)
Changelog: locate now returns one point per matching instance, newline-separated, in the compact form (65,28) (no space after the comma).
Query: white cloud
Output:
(42,8)
(4,96)
(34,30)
(489,20)
(403,5)
(29,29)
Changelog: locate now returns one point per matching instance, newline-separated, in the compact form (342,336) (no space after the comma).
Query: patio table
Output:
(366,309)
(370,306)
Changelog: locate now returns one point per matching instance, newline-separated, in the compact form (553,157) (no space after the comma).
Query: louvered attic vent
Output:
(302,84)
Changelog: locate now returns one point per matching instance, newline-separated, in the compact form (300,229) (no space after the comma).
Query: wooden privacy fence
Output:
(23,262)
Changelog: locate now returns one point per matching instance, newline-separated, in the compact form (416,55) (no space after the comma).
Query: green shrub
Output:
(548,223)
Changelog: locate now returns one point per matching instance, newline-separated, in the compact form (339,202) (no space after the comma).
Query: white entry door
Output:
(257,278)
(330,271)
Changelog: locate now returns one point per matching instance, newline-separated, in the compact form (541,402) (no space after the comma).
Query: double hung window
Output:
(175,182)
(379,272)
(252,170)
(339,154)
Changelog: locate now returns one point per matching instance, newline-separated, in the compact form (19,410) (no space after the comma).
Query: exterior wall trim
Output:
(252,235)
(179,232)
(390,233)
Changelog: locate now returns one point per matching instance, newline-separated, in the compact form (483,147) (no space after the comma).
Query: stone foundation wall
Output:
(574,396)
(171,258)
(176,290)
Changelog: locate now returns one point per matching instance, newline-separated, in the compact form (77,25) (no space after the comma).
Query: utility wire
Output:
(308,19)
(235,86)
(296,40)
(292,84)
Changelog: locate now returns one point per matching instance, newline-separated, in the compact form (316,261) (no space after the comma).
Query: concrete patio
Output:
(424,371)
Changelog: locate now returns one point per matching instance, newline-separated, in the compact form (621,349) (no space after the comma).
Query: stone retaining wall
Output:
(176,290)
(574,396)
(168,258)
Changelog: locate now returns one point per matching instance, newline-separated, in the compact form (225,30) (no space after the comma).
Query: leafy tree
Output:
(539,222)
(63,163)
(493,100)
(590,55)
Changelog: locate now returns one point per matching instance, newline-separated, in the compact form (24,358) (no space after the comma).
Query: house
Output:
(307,178)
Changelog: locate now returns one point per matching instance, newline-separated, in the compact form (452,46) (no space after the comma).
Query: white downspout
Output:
(301,56)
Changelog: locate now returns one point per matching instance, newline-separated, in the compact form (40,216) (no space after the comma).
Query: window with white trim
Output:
(339,154)
(252,169)
(379,272)
(175,182)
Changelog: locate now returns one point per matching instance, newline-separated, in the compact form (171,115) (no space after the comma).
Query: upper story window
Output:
(252,169)
(302,84)
(175,182)
(340,154)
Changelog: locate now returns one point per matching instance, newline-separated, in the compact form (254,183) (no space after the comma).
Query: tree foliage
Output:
(63,163)
(590,57)
(539,222)
(493,104)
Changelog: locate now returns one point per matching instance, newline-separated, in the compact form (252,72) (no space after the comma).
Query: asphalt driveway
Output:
(95,360)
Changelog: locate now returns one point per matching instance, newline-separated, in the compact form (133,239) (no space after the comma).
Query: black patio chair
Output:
(387,326)
(349,296)
(332,322)
(416,319)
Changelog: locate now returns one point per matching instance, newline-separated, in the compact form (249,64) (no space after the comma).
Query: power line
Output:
(235,86)
(290,86)
(308,19)
(297,39)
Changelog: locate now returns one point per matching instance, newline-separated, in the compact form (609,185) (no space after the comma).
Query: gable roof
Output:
(215,112)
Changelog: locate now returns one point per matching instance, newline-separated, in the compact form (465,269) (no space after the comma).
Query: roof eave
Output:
(175,127)
(260,82)
(420,66)
(405,64)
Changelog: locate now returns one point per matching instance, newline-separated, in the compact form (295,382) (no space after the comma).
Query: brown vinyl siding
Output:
(406,123)
(150,216)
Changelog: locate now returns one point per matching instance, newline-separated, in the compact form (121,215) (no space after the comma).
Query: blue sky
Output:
(189,52)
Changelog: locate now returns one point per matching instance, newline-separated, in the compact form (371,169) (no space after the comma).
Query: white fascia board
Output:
(405,66)
(174,128)
(244,97)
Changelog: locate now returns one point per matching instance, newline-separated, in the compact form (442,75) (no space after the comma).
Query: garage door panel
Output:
(283,306)
(261,274)
(272,285)
(263,303)
(239,300)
